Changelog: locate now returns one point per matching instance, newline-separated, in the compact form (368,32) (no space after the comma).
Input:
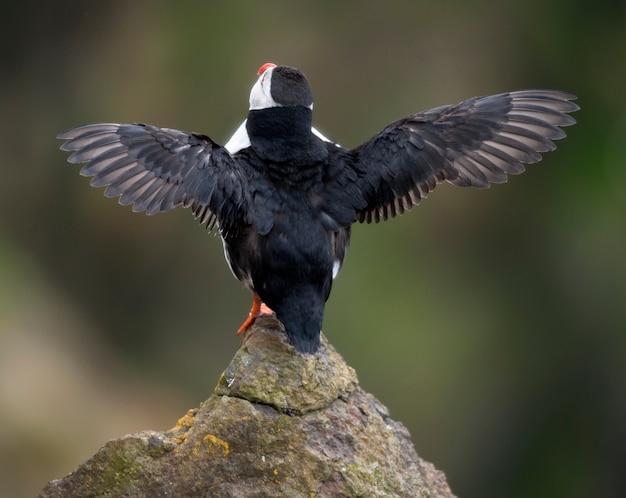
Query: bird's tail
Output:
(303,323)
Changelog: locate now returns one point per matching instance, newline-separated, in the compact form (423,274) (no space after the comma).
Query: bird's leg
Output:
(258,308)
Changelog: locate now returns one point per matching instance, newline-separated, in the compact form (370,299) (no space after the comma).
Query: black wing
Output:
(471,144)
(157,169)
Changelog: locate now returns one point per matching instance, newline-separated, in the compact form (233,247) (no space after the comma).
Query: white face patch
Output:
(261,93)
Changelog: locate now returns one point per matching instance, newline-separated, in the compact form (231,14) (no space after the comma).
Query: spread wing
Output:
(156,169)
(472,144)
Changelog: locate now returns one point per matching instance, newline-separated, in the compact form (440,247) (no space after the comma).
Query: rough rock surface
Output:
(279,424)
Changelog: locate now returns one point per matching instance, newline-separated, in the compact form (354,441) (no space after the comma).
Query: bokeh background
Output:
(491,323)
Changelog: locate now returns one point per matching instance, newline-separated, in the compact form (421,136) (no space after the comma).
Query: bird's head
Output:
(280,86)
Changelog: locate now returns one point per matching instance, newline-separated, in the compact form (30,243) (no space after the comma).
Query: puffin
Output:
(283,197)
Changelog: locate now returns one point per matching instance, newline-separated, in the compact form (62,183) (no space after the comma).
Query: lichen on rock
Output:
(268,370)
(279,424)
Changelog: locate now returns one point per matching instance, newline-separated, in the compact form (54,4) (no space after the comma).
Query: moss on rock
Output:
(279,424)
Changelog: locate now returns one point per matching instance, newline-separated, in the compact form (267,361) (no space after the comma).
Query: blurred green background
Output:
(491,323)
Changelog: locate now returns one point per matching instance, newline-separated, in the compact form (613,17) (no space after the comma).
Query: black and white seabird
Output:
(284,197)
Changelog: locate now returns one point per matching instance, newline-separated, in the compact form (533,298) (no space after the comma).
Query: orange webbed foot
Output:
(258,308)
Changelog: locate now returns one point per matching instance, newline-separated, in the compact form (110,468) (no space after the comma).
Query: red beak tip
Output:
(265,67)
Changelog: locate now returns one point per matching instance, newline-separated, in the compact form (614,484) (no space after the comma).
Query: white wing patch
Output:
(239,141)
(336,268)
(319,135)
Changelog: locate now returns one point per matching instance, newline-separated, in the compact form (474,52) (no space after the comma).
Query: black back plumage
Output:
(284,203)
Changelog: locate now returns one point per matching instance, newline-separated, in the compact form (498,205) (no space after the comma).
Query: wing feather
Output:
(477,142)
(156,169)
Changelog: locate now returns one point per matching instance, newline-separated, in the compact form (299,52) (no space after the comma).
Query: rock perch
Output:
(279,424)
